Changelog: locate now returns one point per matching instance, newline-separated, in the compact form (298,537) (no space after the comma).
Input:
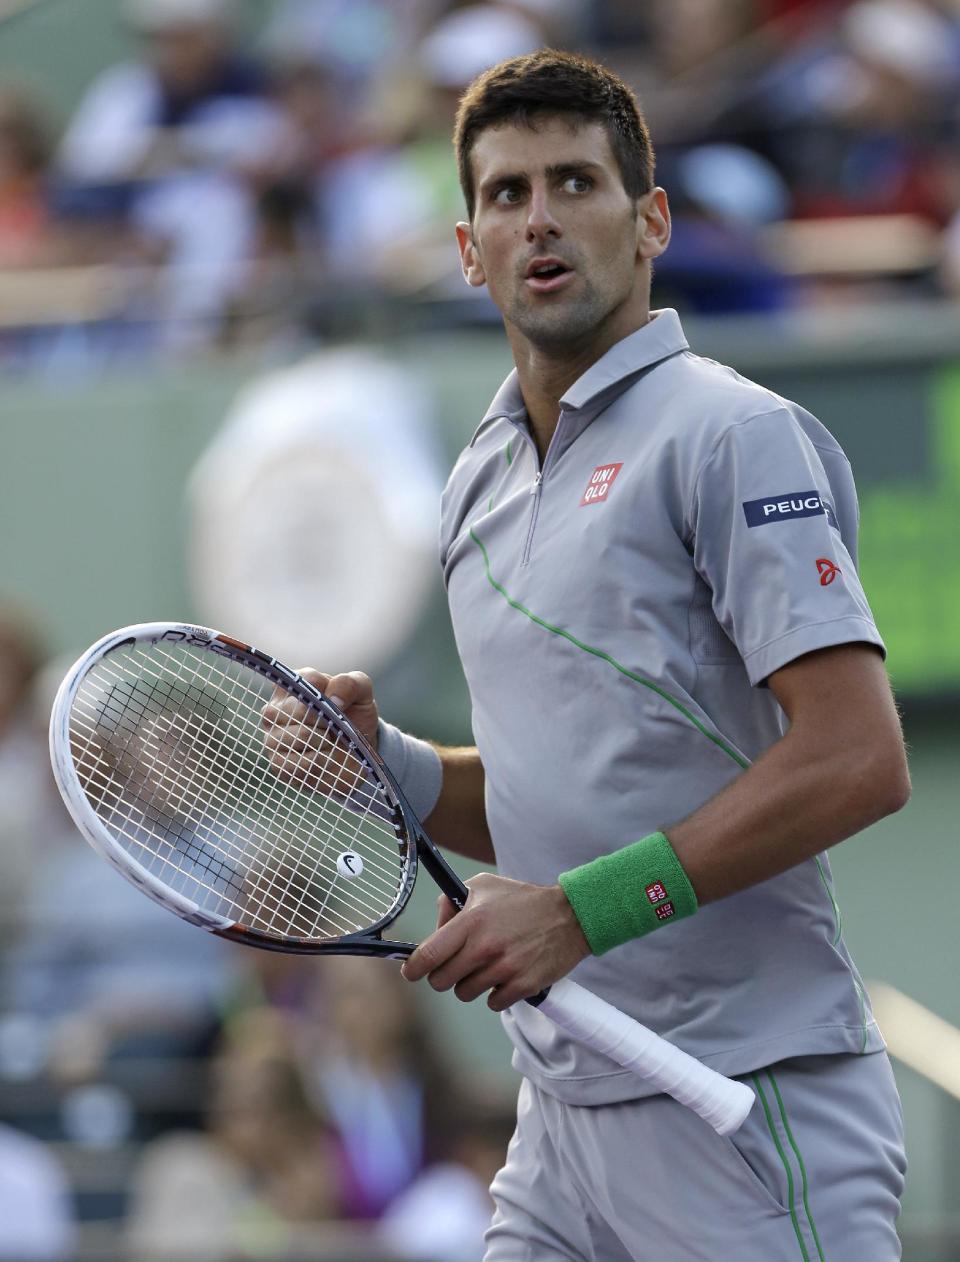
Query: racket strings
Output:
(232,690)
(169,749)
(132,809)
(338,818)
(237,773)
(345,825)
(264,890)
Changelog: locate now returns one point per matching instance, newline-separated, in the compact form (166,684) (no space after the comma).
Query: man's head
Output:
(187,41)
(527,90)
(564,219)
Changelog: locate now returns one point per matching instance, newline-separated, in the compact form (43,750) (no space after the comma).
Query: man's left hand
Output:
(511,938)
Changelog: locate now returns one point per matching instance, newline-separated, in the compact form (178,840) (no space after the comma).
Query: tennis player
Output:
(679,702)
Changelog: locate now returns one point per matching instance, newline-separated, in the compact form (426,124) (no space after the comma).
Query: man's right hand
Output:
(298,748)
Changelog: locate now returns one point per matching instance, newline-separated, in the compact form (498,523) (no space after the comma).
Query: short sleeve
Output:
(774,538)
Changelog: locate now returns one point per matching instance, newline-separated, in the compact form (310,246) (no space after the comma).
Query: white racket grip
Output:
(597,1024)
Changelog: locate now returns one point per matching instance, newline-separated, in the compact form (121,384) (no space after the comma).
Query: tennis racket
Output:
(157,742)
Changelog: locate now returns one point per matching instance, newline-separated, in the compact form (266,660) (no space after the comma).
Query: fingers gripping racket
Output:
(161,745)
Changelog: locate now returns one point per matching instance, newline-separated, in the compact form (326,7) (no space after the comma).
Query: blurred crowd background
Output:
(235,349)
(247,172)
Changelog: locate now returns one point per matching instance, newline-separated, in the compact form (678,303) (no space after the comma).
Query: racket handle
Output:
(597,1024)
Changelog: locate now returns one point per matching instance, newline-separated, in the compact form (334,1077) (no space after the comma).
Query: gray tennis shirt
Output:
(616,613)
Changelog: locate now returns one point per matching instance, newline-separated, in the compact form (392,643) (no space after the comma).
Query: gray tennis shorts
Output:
(815,1174)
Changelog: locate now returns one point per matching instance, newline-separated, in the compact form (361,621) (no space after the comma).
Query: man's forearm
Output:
(459,819)
(840,767)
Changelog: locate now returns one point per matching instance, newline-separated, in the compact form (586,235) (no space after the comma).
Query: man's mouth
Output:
(546,275)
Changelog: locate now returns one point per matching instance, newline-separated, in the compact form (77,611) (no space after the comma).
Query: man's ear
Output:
(473,272)
(653,224)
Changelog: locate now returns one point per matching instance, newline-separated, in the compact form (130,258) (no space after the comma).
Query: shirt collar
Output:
(661,337)
(658,339)
(507,402)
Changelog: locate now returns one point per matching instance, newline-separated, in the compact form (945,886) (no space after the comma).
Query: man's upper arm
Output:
(767,540)
(840,699)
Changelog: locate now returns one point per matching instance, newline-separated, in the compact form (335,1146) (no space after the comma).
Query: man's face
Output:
(187,56)
(555,237)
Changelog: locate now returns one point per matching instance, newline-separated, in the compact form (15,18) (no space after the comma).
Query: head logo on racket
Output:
(349,864)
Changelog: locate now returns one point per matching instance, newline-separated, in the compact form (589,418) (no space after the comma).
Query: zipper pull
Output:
(535,485)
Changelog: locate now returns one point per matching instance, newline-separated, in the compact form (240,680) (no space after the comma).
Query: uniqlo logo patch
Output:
(664,911)
(601,480)
(656,892)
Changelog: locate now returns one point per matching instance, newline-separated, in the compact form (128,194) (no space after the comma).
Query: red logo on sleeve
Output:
(656,892)
(601,480)
(828,571)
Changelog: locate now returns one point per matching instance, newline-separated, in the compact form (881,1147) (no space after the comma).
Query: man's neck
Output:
(546,375)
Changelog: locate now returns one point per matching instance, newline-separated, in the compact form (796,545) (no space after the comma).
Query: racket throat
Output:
(447,880)
(350,944)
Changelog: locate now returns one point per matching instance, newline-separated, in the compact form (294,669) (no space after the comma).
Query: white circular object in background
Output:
(315,511)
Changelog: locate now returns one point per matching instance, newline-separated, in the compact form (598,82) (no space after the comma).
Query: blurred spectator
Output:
(26,232)
(24,768)
(721,197)
(263,1168)
(805,10)
(192,94)
(358,43)
(949,273)
(151,986)
(171,145)
(288,251)
(897,109)
(443,1215)
(689,35)
(860,113)
(693,58)
(370,1062)
(36,1216)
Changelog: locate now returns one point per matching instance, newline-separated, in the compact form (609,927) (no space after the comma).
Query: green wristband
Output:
(629,893)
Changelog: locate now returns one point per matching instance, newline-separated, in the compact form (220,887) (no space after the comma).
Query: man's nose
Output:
(541,221)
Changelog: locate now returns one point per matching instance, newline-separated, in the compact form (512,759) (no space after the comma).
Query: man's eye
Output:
(507,196)
(577,184)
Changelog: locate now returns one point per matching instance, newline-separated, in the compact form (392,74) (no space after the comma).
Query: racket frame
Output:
(414,844)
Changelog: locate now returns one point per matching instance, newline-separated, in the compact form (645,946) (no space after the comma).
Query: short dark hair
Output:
(549,83)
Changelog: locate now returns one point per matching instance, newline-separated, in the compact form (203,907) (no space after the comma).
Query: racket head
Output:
(156,742)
